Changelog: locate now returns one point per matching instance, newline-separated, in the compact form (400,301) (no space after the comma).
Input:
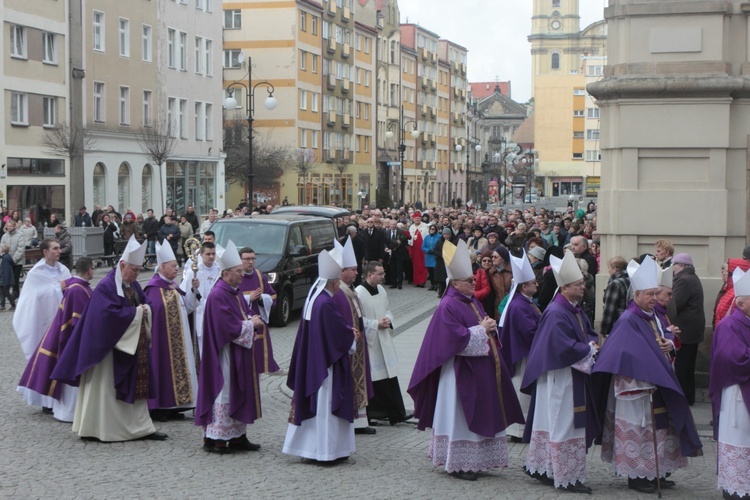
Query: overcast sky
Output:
(494,31)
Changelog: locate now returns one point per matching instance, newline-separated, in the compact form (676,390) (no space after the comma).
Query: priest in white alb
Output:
(387,402)
(40,299)
(321,423)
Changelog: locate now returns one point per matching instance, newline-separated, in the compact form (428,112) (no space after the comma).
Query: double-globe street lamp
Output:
(450,199)
(477,148)
(402,148)
(230,103)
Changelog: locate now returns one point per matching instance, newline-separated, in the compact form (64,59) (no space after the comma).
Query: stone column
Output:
(675,125)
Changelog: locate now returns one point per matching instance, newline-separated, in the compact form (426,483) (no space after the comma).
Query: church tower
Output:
(555,29)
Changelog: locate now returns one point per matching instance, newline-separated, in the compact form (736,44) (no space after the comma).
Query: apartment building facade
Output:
(323,75)
(565,59)
(35,77)
(152,71)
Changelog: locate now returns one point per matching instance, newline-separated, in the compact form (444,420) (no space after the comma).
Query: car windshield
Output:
(265,239)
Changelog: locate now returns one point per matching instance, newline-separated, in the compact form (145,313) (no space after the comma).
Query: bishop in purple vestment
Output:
(561,424)
(729,389)
(321,423)
(107,356)
(228,393)
(172,356)
(460,360)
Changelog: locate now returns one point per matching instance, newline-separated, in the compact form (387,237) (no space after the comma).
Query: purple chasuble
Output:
(101,327)
(730,361)
(322,342)
(483,384)
(168,355)
(518,331)
(37,374)
(631,351)
(225,311)
(264,361)
(561,340)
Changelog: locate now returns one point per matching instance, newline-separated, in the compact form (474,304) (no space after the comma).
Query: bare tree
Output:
(341,165)
(68,140)
(302,162)
(268,159)
(156,142)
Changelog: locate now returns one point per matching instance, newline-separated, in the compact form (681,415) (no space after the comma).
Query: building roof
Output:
(525,132)
(480,90)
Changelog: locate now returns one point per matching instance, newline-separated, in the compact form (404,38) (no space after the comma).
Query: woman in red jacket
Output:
(483,290)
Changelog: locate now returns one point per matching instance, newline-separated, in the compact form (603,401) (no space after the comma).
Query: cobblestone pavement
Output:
(40,457)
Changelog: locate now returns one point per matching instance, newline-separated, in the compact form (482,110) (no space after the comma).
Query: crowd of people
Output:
(511,352)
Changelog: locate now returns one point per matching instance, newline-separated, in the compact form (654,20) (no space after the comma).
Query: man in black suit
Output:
(395,243)
(374,241)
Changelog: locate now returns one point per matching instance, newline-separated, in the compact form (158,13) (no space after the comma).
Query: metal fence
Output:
(87,241)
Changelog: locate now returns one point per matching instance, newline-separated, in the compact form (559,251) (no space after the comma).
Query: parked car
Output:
(320,211)
(286,247)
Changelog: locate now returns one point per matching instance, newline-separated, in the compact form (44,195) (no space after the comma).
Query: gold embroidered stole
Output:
(359,361)
(177,350)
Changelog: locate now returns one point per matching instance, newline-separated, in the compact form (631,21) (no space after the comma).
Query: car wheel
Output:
(280,314)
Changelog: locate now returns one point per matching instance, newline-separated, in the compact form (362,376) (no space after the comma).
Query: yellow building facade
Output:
(566,133)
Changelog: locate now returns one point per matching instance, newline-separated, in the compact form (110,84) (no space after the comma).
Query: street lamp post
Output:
(231,103)
(402,147)
(426,180)
(459,147)
(477,148)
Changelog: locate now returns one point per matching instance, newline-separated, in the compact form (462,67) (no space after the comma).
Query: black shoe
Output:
(578,487)
(465,475)
(243,444)
(641,485)
(156,436)
(392,286)
(420,286)
(665,483)
(542,477)
(47,411)
(406,417)
(365,430)
(216,446)
(514,439)
(399,287)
